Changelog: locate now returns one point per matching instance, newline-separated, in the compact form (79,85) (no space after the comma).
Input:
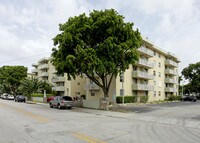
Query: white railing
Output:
(142,74)
(142,87)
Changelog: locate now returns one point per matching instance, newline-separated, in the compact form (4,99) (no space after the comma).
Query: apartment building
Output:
(45,71)
(155,76)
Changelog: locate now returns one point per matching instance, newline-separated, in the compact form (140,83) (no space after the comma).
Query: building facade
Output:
(45,71)
(155,76)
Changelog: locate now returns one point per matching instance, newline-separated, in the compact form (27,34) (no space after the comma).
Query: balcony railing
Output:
(169,80)
(34,64)
(45,66)
(92,86)
(141,74)
(145,63)
(171,63)
(58,88)
(34,71)
(144,87)
(170,72)
(170,89)
(44,74)
(147,52)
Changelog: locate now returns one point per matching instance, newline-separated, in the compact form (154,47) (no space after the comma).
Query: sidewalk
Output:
(109,113)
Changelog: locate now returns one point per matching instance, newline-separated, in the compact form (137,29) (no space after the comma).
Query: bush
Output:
(40,95)
(143,99)
(174,98)
(127,99)
(83,96)
(198,97)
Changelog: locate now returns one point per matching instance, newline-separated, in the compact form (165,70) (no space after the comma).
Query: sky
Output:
(27,27)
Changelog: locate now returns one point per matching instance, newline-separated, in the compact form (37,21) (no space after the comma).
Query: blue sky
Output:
(27,27)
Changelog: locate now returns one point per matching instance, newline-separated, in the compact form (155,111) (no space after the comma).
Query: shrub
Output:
(83,96)
(127,99)
(40,95)
(198,97)
(143,99)
(174,98)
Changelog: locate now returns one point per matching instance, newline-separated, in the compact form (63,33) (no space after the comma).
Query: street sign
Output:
(121,92)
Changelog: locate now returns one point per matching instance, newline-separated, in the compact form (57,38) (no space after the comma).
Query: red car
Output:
(50,98)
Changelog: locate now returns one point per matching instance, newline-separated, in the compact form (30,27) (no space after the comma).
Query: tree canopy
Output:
(192,74)
(10,77)
(99,45)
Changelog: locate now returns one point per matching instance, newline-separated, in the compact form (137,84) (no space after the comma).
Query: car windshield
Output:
(67,98)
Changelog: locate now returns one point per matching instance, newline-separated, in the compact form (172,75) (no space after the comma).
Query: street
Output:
(161,123)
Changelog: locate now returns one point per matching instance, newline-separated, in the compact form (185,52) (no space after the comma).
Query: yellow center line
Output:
(87,138)
(32,115)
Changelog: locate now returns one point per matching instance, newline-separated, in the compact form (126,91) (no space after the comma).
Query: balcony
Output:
(43,60)
(170,89)
(44,74)
(171,63)
(92,86)
(145,63)
(58,88)
(143,87)
(45,66)
(34,71)
(170,72)
(58,79)
(34,65)
(169,80)
(142,75)
(146,52)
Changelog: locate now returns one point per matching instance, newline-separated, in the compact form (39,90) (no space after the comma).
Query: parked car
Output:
(189,98)
(50,98)
(10,97)
(20,98)
(5,96)
(61,102)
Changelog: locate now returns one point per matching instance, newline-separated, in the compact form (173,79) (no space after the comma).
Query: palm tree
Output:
(31,85)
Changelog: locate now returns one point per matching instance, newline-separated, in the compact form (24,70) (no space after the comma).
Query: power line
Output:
(23,58)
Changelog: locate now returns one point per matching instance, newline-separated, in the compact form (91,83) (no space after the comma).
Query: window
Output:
(159,64)
(92,94)
(154,93)
(154,62)
(159,74)
(78,83)
(159,55)
(159,93)
(154,73)
(154,53)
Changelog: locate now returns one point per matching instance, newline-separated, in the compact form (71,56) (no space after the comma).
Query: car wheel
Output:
(59,107)
(69,107)
(50,105)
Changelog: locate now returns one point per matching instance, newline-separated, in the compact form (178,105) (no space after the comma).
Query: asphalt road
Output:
(37,123)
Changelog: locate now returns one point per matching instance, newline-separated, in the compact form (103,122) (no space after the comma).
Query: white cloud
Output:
(27,27)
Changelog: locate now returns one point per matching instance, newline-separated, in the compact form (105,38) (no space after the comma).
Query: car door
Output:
(54,103)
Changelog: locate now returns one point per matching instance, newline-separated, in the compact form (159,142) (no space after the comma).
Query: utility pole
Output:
(122,90)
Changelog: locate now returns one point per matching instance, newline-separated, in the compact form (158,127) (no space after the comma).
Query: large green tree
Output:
(99,45)
(192,74)
(10,77)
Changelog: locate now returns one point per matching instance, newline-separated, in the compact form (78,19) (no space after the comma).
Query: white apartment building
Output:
(155,76)
(45,71)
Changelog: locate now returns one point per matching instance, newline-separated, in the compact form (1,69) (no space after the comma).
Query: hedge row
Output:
(174,98)
(40,95)
(127,99)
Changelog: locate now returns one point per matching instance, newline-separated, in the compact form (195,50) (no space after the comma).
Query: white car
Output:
(10,97)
